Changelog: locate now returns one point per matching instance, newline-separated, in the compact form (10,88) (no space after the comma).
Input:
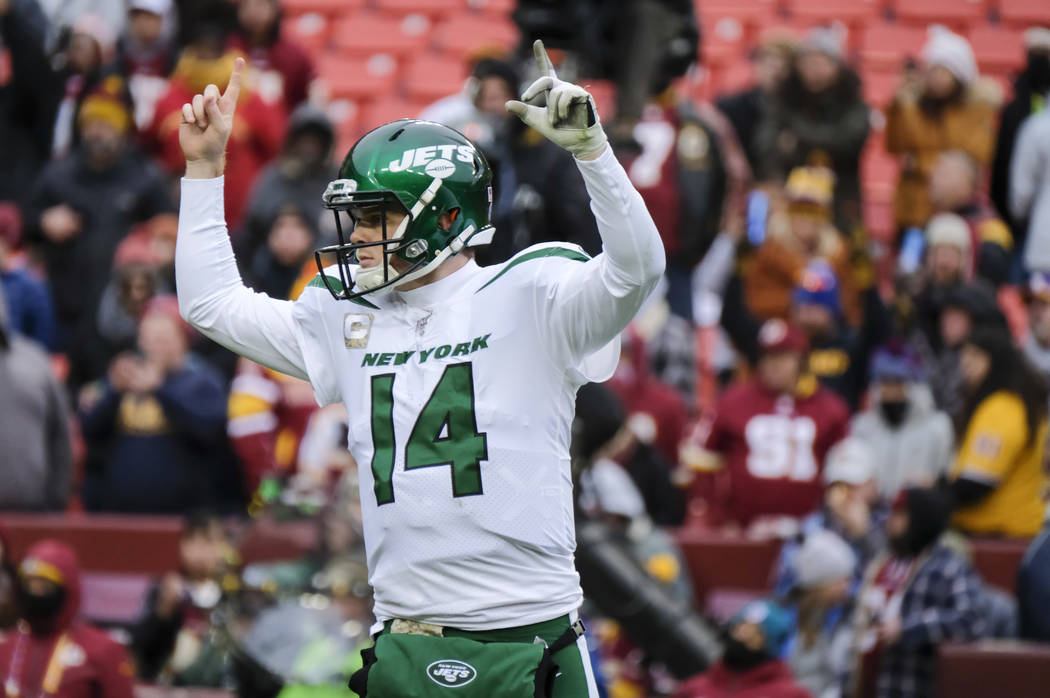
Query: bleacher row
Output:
(387,59)
(122,556)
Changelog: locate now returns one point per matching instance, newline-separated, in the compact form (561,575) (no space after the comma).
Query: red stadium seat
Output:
(467,34)
(311,30)
(993,668)
(842,10)
(356,78)
(886,45)
(332,8)
(753,12)
(879,87)
(1025,13)
(429,78)
(431,8)
(716,561)
(724,43)
(499,8)
(114,599)
(366,33)
(998,49)
(957,14)
(604,93)
(386,110)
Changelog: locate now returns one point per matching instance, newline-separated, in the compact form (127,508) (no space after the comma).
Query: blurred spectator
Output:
(38,659)
(290,243)
(8,585)
(771,61)
(998,474)
(769,435)
(955,187)
(680,170)
(303,168)
(1033,589)
(608,493)
(257,130)
(1030,94)
(941,106)
(30,311)
(819,649)
(965,308)
(137,278)
(818,117)
(807,234)
(839,353)
(657,414)
(1037,344)
(601,431)
(146,56)
(269,413)
(178,608)
(915,597)
(750,667)
(284,72)
(851,510)
(1030,189)
(27,97)
(36,458)
(911,440)
(85,66)
(155,430)
(82,207)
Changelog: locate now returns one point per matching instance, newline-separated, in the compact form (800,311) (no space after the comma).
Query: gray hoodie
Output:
(918,451)
(35,456)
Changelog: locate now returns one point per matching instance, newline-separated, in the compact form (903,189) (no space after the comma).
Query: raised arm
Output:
(212,296)
(591,305)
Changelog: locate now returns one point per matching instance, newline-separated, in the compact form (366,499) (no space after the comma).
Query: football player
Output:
(459,380)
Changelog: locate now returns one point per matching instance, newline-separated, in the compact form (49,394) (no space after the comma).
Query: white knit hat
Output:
(824,557)
(951,51)
(1037,38)
(949,229)
(850,460)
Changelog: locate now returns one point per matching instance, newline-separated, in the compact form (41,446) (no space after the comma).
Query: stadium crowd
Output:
(872,404)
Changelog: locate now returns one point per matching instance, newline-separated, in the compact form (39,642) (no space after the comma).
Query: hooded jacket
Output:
(772,679)
(917,451)
(69,658)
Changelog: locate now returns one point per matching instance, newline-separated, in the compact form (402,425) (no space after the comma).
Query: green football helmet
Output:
(420,169)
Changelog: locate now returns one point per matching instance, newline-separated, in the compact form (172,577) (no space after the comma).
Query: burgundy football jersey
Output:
(773,449)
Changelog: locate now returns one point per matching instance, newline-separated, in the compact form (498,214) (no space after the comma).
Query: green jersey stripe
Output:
(536,254)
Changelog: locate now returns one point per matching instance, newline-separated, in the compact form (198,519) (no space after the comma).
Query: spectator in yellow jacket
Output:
(998,475)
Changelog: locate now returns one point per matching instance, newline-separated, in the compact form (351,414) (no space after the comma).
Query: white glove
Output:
(570,118)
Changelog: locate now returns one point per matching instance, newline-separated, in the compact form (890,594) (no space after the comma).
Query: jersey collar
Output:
(443,289)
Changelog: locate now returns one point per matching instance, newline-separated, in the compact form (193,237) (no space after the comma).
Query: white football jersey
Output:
(461,397)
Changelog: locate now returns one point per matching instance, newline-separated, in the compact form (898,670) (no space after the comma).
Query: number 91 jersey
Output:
(460,399)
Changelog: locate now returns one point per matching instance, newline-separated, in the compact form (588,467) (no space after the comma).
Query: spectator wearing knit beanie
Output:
(942,106)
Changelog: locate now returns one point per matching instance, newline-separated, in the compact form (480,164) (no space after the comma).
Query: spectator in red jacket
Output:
(258,128)
(766,444)
(285,72)
(656,412)
(54,652)
(750,666)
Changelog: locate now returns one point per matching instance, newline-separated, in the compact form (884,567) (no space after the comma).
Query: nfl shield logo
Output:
(356,328)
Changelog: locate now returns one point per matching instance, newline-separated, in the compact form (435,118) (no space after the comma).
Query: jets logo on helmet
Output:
(423,171)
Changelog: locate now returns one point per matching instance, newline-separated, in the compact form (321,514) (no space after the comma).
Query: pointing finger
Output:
(543,61)
(233,88)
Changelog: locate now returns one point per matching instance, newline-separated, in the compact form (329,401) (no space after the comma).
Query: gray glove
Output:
(570,118)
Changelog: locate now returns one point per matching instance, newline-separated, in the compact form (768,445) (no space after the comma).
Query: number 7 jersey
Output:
(461,397)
